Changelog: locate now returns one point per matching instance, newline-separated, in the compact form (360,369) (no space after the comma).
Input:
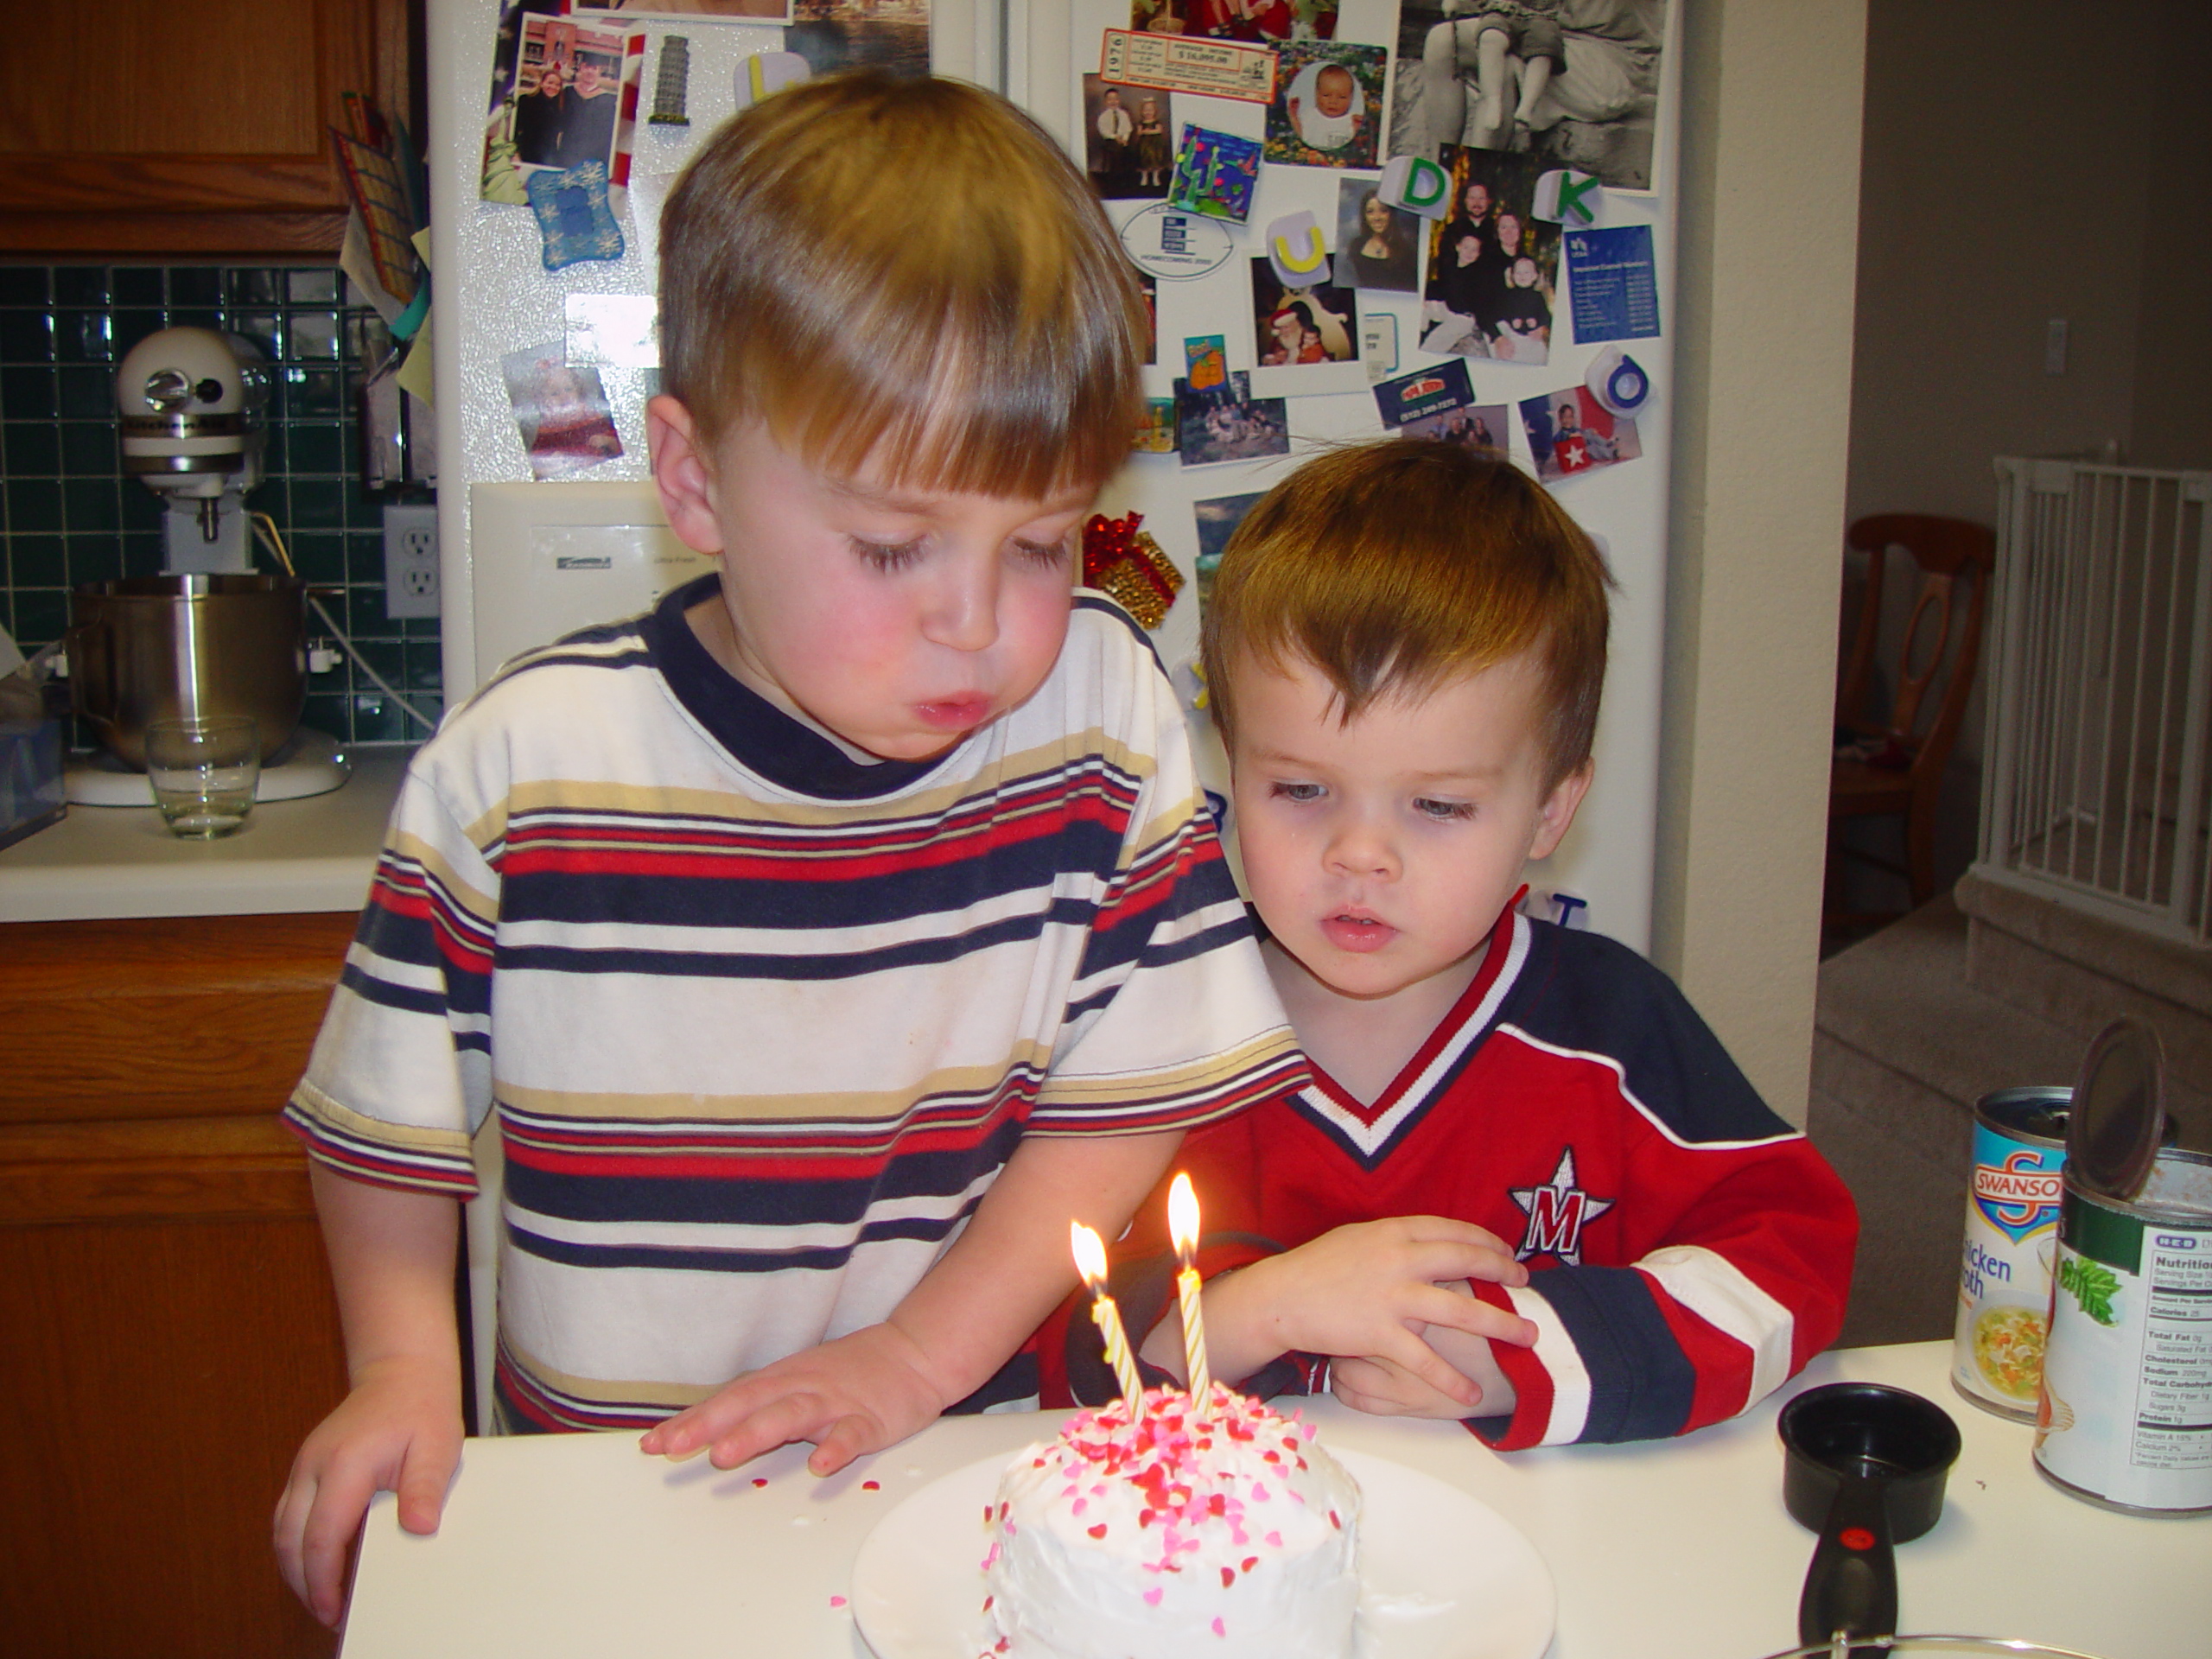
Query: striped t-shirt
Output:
(762,1023)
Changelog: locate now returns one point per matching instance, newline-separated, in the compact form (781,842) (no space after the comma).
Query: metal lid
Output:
(2119,1107)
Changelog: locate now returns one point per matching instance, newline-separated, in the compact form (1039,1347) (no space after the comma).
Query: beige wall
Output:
(1769,219)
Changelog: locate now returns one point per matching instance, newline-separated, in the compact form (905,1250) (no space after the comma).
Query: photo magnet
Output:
(1418,185)
(1294,249)
(1566,197)
(766,73)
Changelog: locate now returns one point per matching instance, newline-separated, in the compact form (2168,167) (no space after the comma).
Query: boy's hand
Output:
(1385,1389)
(399,1430)
(851,1396)
(1369,1289)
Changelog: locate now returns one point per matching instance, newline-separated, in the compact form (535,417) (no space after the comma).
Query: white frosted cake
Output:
(1224,1531)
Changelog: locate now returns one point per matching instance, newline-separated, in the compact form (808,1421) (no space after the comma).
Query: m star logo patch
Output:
(1557,1214)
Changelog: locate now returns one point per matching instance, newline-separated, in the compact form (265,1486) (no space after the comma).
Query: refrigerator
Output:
(524,558)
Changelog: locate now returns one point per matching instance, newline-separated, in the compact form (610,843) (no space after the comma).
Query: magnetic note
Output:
(1378,344)
(1175,243)
(1181,64)
(1612,285)
(1426,391)
(1205,360)
(1215,174)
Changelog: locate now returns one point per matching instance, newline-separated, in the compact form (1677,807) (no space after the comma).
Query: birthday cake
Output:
(1219,1529)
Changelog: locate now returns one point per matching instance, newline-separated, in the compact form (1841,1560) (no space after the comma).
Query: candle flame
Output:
(1090,1254)
(1183,1213)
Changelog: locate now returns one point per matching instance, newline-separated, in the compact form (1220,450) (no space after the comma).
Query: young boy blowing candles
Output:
(830,937)
(1406,643)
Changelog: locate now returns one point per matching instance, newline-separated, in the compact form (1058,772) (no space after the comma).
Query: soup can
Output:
(2020,1150)
(2126,1418)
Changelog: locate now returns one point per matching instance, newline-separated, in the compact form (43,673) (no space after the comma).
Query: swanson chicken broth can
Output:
(2127,1414)
(2019,1151)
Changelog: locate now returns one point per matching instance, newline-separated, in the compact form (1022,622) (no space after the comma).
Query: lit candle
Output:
(1183,1227)
(1090,1262)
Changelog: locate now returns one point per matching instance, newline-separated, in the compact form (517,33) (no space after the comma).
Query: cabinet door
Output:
(187,126)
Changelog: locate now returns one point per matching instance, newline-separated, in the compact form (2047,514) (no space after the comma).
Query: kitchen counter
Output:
(115,861)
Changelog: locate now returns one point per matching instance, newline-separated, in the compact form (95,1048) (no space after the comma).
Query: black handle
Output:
(1852,1584)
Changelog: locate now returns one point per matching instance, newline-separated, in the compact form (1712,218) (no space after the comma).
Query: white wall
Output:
(1764,328)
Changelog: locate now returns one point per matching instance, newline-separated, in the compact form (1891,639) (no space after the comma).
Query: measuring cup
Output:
(1863,1467)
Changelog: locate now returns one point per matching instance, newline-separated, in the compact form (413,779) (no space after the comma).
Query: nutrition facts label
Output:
(2173,1401)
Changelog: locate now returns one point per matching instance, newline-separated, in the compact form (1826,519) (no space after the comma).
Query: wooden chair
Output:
(1934,677)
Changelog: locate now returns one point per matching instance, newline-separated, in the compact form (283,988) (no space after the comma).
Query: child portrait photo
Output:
(1328,104)
(1127,152)
(561,409)
(1572,432)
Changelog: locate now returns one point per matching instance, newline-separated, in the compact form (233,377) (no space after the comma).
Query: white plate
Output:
(1442,1576)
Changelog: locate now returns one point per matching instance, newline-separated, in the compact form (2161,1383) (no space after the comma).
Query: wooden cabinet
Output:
(187,126)
(170,1331)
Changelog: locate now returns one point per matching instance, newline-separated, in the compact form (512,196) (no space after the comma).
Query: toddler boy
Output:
(1406,643)
(828,938)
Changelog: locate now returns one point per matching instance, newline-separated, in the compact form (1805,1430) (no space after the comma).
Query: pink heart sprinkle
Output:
(836,1601)
(1152,1595)
(1275,1541)
(1219,1629)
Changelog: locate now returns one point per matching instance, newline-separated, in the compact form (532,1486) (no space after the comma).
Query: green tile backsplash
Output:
(68,514)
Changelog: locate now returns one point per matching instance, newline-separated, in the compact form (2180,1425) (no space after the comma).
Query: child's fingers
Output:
(341,1500)
(1425,1365)
(852,1436)
(778,1422)
(425,1476)
(1439,1305)
(1435,1228)
(1440,1259)
(697,1427)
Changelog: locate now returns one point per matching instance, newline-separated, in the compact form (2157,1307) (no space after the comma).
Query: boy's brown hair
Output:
(907,268)
(1393,567)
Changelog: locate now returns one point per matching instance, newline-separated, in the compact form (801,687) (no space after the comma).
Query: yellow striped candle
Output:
(1090,1262)
(1183,1228)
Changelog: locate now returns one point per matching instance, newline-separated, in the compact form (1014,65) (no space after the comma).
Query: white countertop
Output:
(565,1545)
(109,862)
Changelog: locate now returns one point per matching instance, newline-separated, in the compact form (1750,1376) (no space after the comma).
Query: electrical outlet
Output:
(411,562)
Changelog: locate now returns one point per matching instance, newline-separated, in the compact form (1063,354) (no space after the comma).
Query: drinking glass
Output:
(203,772)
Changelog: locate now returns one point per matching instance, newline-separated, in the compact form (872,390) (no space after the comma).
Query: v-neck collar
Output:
(1368,1133)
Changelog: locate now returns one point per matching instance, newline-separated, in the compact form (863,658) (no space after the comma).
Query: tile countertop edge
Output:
(101,864)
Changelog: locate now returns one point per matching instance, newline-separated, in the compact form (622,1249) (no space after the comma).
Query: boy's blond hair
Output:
(905,270)
(1393,567)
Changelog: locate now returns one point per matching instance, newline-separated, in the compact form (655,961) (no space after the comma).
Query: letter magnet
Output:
(1418,185)
(1294,249)
(1566,197)
(766,73)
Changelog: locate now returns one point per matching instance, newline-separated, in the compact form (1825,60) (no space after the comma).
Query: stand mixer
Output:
(210,635)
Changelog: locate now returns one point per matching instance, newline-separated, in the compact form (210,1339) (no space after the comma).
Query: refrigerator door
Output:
(495,298)
(1602,874)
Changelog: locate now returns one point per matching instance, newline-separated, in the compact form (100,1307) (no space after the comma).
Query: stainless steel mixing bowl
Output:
(167,647)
